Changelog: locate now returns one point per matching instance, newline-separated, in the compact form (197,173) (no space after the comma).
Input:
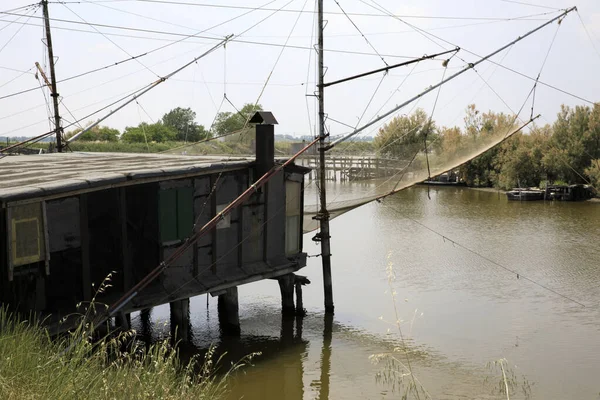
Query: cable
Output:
(428,128)
(371,100)
(177,34)
(415,28)
(493,62)
(529,4)
(15,70)
(437,28)
(112,41)
(70,113)
(133,57)
(48,110)
(18,30)
(135,14)
(205,5)
(17,77)
(497,264)
(588,35)
(247,118)
(236,246)
(142,123)
(542,67)
(310,54)
(360,32)
(19,8)
(278,56)
(202,37)
(42,136)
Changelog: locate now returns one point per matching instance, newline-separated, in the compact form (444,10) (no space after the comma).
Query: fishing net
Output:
(361,179)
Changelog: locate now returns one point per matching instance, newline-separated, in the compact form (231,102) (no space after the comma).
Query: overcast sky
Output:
(573,64)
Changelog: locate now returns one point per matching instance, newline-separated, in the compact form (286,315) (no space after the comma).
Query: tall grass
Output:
(35,366)
(397,370)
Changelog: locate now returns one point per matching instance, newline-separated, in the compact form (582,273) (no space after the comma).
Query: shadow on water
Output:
(470,312)
(278,368)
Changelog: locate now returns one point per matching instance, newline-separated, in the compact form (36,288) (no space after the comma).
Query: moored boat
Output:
(525,194)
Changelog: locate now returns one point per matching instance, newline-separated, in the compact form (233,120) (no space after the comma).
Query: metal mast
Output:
(323,215)
(54,94)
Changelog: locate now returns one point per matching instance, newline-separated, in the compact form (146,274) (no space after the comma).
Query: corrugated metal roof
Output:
(34,176)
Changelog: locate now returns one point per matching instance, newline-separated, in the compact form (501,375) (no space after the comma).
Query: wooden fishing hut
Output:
(68,220)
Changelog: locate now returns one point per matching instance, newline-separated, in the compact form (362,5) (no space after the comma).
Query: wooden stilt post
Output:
(180,319)
(323,216)
(299,303)
(228,307)
(286,286)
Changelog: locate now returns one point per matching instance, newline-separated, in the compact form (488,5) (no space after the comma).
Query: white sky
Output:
(573,63)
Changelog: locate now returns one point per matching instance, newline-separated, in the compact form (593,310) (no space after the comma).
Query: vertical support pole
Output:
(213,234)
(46,239)
(123,321)
(127,265)
(146,326)
(323,213)
(299,302)
(180,319)
(86,272)
(286,287)
(54,94)
(9,244)
(228,307)
(40,293)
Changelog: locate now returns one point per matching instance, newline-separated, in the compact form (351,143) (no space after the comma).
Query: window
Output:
(293,198)
(176,214)
(26,230)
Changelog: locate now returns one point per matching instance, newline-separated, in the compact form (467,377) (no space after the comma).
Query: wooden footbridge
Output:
(352,168)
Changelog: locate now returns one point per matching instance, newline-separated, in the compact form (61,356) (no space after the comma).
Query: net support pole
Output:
(451,77)
(54,94)
(323,215)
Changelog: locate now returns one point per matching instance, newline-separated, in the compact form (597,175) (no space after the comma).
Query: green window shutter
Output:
(185,212)
(167,201)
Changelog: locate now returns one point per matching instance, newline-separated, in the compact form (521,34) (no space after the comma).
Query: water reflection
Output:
(279,369)
(473,310)
(326,357)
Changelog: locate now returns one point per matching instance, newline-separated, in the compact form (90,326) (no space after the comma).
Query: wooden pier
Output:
(354,168)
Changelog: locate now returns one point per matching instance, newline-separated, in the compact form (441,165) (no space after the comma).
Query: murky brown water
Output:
(459,310)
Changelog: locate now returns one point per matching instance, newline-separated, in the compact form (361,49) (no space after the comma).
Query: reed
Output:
(76,365)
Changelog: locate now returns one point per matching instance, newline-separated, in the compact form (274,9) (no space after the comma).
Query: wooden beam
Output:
(213,212)
(86,272)
(127,265)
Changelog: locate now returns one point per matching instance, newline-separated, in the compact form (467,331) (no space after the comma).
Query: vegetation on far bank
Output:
(567,151)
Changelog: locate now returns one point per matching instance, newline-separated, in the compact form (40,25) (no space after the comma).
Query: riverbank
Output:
(487,189)
(494,190)
(36,367)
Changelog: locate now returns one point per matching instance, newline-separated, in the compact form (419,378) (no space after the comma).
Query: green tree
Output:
(97,133)
(593,173)
(228,122)
(573,143)
(450,141)
(157,132)
(519,159)
(479,127)
(404,136)
(182,121)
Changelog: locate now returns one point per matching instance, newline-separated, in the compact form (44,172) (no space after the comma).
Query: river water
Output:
(455,254)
